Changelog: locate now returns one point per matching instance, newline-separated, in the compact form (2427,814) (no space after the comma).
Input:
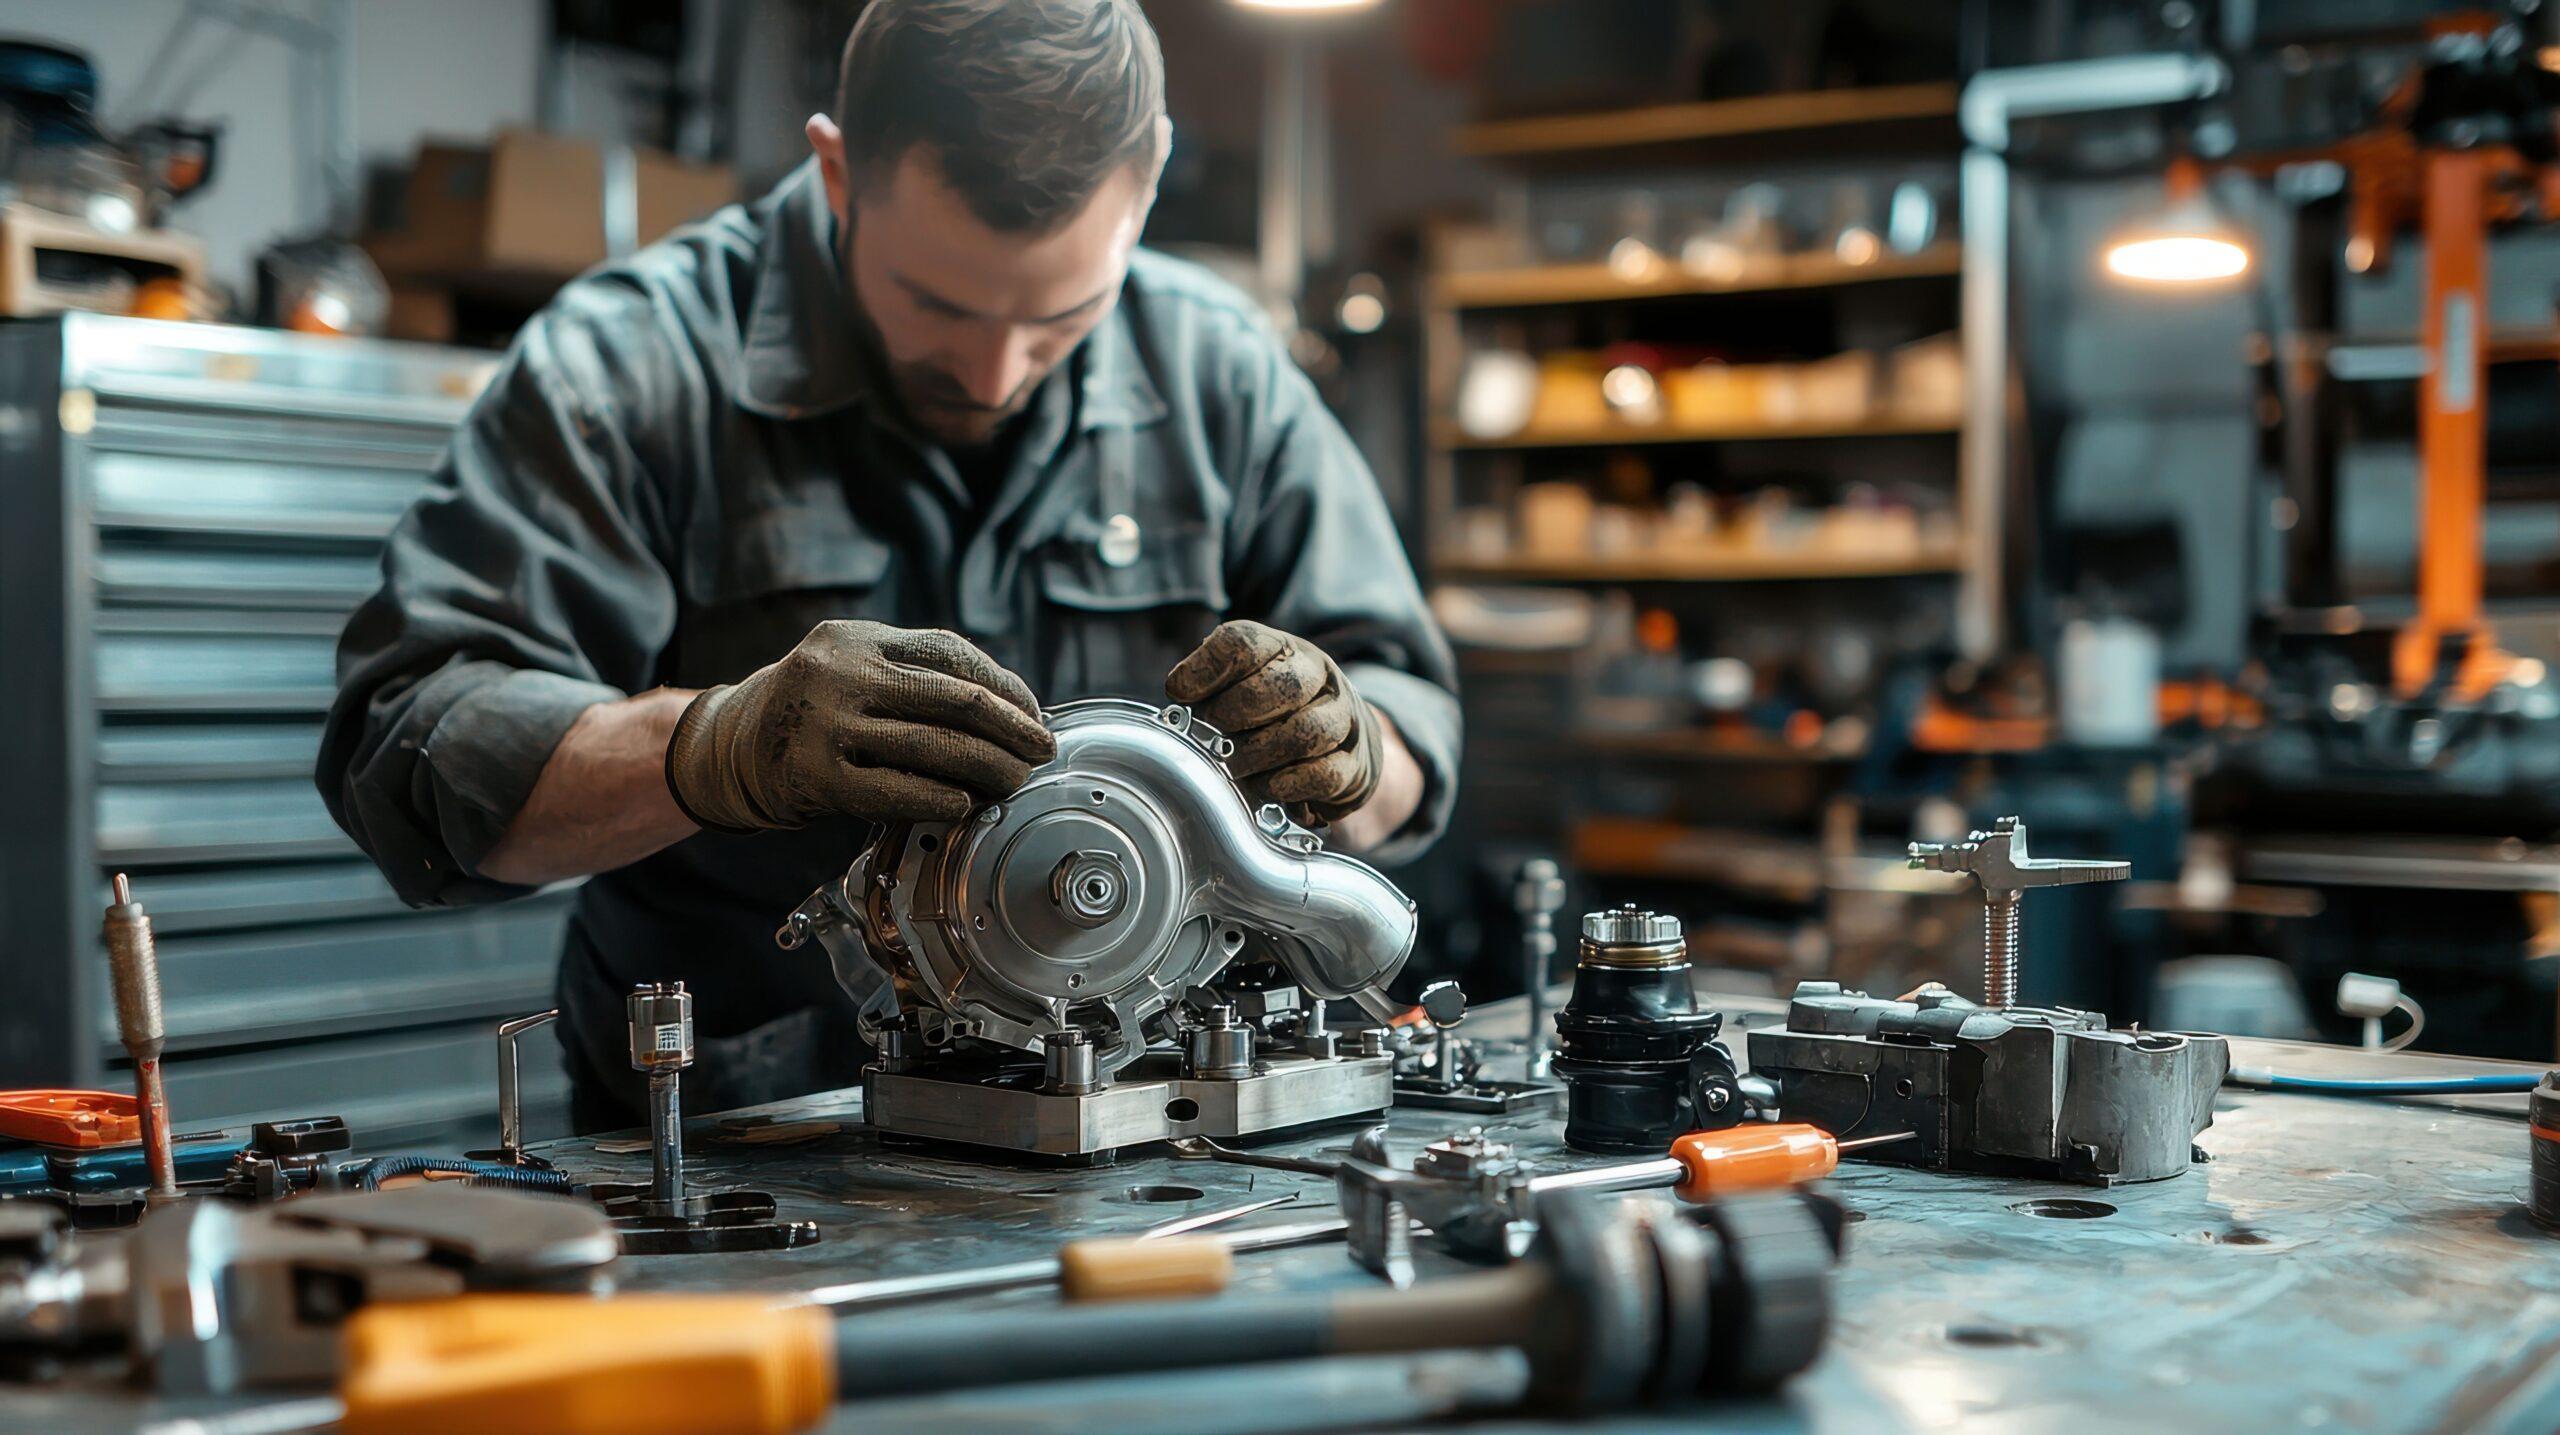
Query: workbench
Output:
(2336,1265)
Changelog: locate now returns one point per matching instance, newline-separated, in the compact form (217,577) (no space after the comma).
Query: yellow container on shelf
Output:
(1716,396)
(1569,398)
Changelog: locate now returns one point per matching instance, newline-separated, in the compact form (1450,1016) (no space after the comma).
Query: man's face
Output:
(971,320)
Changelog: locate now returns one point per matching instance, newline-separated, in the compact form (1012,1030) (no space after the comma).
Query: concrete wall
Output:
(453,68)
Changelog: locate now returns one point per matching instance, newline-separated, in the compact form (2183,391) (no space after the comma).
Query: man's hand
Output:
(860,720)
(1303,738)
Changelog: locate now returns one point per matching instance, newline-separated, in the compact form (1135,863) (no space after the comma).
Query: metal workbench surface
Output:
(2337,1265)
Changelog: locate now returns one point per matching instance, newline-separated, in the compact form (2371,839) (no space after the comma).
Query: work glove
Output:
(1303,738)
(860,720)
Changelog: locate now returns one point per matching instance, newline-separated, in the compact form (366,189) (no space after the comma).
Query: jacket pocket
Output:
(786,551)
(1115,629)
(771,578)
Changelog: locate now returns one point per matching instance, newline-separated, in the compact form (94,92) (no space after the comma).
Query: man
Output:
(789,523)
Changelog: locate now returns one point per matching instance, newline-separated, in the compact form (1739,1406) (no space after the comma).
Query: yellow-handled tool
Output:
(683,1365)
(634,1365)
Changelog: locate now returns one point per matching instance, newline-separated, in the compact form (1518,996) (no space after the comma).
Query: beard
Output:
(936,404)
(931,400)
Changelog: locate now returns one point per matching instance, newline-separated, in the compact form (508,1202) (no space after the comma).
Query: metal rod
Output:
(1631,1176)
(666,1139)
(1024,1275)
(133,967)
(1201,1148)
(1537,893)
(1187,1224)
(510,1094)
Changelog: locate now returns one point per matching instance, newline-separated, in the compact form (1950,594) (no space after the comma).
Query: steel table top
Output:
(2337,1265)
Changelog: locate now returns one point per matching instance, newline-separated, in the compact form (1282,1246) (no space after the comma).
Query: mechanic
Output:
(787,525)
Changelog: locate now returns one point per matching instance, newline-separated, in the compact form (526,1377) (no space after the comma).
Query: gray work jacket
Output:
(683,466)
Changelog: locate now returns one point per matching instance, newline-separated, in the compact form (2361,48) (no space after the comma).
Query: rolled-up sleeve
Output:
(527,584)
(1315,553)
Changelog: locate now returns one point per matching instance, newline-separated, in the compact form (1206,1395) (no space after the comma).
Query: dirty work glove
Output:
(1303,738)
(860,720)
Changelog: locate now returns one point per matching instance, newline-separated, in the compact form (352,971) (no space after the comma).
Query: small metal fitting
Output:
(1222,1050)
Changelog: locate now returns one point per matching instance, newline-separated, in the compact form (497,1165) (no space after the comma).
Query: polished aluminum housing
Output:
(1129,869)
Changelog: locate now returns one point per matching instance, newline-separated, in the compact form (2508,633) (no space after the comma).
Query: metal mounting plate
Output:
(1150,1101)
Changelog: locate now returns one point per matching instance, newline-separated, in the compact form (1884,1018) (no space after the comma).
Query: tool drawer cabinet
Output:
(187,515)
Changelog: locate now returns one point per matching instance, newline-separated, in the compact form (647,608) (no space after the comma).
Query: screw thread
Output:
(2000,951)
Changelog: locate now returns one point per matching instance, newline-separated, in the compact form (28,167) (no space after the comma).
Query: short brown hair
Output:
(1028,104)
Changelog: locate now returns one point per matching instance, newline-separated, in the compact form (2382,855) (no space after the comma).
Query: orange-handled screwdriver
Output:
(1706,1164)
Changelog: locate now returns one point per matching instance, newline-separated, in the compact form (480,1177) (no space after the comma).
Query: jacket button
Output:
(1119,542)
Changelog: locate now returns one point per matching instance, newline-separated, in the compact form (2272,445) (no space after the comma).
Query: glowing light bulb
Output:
(2177,259)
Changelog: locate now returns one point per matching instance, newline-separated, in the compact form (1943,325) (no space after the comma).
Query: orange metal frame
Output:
(2453,197)
(2452,434)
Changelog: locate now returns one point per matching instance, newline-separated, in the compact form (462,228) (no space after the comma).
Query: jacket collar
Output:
(802,357)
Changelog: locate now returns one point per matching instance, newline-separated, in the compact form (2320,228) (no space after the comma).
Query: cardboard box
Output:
(530,207)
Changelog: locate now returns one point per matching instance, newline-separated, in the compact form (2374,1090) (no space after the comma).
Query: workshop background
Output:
(1801,458)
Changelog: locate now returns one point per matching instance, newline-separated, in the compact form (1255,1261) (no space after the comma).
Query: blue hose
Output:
(2392,1086)
(478,1173)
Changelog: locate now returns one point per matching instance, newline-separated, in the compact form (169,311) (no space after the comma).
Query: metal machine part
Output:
(2543,1114)
(1638,1058)
(1538,894)
(212,1296)
(510,1148)
(2018,1091)
(287,1157)
(133,967)
(663,1218)
(1127,874)
(661,1048)
(1453,1078)
(1477,1197)
(1998,860)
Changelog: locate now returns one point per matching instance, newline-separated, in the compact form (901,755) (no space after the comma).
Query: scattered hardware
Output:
(1436,1069)
(1476,1196)
(1033,974)
(1638,1058)
(285,1158)
(662,1218)
(1614,1306)
(214,1296)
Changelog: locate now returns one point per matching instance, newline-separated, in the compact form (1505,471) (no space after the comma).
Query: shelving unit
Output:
(1536,285)
(1621,435)
(1932,108)
(1711,566)
(1729,813)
